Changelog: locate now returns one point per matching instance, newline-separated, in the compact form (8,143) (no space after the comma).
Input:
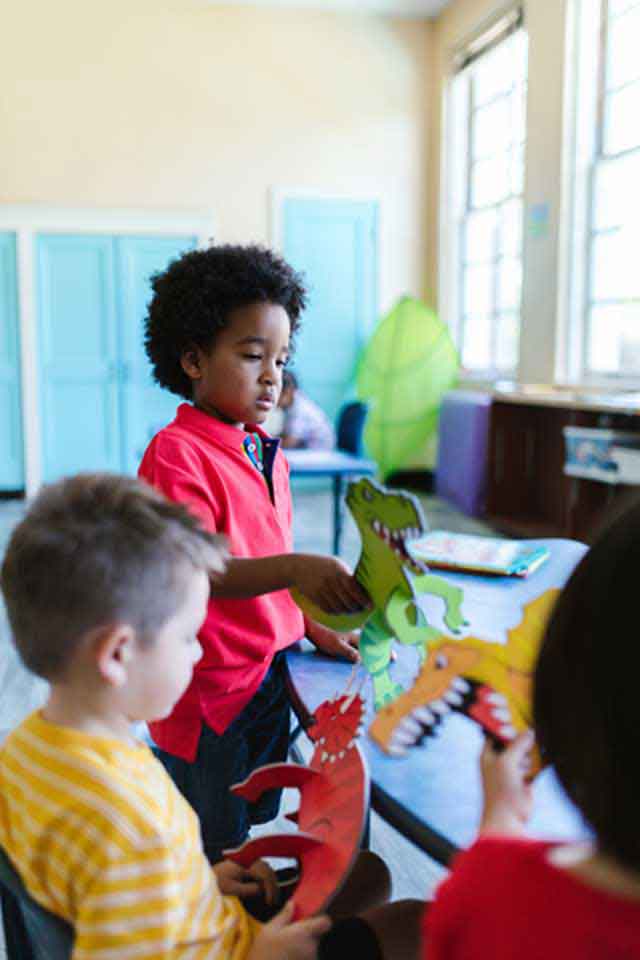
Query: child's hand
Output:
(334,644)
(329,583)
(282,940)
(507,793)
(236,881)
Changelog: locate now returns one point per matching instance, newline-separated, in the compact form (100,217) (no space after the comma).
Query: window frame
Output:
(587,138)
(456,210)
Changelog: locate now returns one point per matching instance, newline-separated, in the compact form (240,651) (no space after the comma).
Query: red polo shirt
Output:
(215,470)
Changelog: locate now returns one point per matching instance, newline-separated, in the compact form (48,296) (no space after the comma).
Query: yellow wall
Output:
(174,103)
(543,306)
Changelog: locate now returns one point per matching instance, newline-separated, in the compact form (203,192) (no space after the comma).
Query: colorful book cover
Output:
(466,552)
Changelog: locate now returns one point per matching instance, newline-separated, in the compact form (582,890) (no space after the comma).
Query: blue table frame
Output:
(433,796)
(338,465)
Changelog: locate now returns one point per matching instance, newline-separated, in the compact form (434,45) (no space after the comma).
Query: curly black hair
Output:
(193,297)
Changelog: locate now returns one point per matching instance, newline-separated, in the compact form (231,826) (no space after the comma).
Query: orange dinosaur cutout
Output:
(489,682)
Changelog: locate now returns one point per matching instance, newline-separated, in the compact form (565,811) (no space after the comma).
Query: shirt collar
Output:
(189,416)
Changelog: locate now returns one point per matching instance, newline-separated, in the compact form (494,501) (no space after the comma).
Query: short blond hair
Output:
(93,550)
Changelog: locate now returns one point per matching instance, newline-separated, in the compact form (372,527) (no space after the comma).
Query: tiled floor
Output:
(414,874)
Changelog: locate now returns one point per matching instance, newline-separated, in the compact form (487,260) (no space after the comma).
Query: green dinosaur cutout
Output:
(393,580)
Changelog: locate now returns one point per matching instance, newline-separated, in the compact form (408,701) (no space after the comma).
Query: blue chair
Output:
(350,427)
(31,932)
(339,464)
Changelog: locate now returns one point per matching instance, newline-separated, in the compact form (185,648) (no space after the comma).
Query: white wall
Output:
(179,104)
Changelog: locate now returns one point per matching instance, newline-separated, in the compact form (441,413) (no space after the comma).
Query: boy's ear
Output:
(190,361)
(113,648)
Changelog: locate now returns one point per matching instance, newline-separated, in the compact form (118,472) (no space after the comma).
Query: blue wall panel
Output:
(78,345)
(335,243)
(11,436)
(99,406)
(146,406)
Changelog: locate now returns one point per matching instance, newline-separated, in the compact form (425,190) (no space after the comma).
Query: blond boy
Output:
(106,586)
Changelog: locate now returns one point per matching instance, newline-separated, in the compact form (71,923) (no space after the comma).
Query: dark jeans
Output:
(258,735)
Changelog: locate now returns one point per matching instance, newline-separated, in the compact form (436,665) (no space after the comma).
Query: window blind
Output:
(489,35)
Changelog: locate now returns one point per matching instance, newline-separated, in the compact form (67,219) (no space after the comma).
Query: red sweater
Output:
(505,901)
(211,467)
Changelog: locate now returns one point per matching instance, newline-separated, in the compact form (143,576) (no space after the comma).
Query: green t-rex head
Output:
(387,521)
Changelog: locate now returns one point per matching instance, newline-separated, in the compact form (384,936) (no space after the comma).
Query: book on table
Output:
(475,554)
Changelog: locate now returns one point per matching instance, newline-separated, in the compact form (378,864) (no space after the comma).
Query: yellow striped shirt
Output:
(102,837)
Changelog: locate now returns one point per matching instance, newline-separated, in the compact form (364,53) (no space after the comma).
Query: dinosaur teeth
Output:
(376,526)
(410,726)
(424,716)
(341,755)
(497,699)
(508,731)
(502,714)
(324,756)
(402,738)
(460,684)
(439,706)
(453,698)
(396,751)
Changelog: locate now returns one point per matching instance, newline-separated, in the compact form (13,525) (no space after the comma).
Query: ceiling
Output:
(401,8)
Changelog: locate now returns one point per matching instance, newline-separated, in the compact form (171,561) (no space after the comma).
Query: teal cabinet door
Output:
(335,243)
(78,352)
(11,437)
(146,407)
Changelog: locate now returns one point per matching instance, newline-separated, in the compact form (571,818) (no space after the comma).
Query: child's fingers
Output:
(268,882)
(517,750)
(357,594)
(315,926)
(246,889)
(348,650)
(283,918)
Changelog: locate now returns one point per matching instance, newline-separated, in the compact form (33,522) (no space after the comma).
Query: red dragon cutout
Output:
(334,799)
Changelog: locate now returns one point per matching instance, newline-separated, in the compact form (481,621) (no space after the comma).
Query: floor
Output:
(414,874)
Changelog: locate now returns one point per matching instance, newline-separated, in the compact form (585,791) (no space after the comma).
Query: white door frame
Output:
(26,222)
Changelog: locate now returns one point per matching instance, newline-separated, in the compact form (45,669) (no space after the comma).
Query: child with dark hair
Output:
(219,333)
(106,585)
(509,897)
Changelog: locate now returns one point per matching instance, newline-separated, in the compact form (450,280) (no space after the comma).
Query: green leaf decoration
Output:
(406,368)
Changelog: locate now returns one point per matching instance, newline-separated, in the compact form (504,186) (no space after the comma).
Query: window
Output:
(606,317)
(485,160)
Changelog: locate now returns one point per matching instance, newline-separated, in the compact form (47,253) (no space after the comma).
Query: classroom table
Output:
(433,795)
(338,465)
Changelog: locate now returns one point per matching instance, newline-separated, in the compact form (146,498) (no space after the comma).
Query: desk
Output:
(335,464)
(433,795)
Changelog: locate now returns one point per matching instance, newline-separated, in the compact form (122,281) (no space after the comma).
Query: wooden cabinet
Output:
(528,493)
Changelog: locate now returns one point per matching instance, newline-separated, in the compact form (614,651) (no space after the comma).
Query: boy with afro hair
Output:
(218,334)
